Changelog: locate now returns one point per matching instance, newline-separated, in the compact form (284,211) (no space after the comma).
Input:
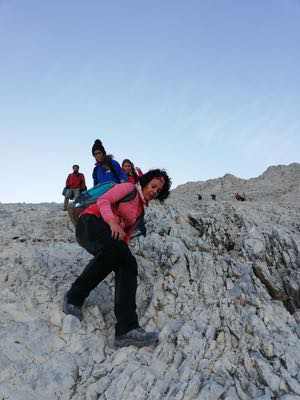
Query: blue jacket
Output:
(102,175)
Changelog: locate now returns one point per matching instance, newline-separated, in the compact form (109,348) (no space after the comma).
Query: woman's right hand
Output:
(116,230)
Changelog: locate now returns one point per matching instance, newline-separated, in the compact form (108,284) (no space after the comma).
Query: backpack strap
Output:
(128,197)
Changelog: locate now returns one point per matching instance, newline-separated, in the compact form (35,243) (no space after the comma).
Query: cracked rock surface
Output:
(219,279)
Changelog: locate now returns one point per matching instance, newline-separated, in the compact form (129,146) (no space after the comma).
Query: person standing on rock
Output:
(104,230)
(240,197)
(133,173)
(106,168)
(75,184)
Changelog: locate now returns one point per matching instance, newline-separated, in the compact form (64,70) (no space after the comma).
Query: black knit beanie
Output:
(98,146)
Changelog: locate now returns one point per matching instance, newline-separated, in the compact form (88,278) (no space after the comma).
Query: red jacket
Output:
(75,181)
(135,179)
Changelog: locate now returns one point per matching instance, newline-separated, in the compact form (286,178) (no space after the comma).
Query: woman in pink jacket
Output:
(104,230)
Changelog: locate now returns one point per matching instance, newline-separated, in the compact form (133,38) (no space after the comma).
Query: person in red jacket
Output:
(75,184)
(133,173)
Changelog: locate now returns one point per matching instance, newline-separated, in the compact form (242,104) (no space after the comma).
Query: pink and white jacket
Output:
(125,213)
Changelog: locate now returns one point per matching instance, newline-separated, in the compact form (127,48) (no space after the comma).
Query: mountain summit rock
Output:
(219,279)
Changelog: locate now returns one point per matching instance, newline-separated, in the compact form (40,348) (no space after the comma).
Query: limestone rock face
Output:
(220,280)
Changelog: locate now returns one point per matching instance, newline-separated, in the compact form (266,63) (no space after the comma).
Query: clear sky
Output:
(199,87)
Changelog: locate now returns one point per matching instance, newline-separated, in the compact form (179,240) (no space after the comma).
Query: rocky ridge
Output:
(220,279)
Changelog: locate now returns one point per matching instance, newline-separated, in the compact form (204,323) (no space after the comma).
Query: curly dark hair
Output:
(157,173)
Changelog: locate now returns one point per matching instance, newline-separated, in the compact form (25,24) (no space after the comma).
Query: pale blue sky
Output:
(201,88)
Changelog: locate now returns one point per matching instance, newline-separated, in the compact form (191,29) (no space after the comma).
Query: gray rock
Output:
(220,280)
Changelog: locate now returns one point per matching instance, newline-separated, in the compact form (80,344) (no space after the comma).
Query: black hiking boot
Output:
(71,309)
(137,337)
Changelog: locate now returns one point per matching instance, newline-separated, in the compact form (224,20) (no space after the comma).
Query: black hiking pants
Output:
(110,254)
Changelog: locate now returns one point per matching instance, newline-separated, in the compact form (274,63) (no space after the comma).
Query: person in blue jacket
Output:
(106,168)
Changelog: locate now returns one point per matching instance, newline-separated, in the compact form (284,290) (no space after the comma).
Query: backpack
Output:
(90,196)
